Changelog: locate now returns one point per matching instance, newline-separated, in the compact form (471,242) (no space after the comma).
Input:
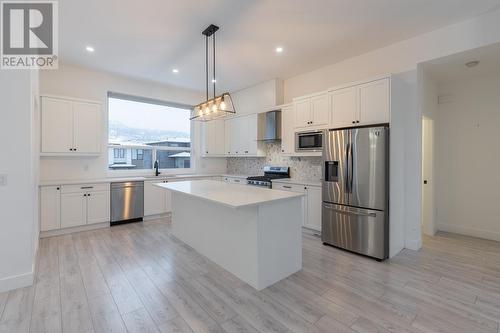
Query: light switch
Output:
(3,179)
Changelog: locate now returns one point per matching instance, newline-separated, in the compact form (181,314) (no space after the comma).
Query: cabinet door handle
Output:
(85,195)
(357,121)
(88,194)
(246,151)
(57,188)
(285,186)
(354,122)
(86,187)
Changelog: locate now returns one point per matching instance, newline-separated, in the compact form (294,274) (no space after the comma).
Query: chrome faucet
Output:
(157,165)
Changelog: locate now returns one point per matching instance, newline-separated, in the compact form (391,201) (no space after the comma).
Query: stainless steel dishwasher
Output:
(127,202)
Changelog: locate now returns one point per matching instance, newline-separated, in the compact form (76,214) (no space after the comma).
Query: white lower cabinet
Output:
(155,198)
(98,207)
(313,218)
(73,209)
(73,205)
(50,208)
(311,203)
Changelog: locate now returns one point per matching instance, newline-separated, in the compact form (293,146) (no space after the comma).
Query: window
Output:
(119,153)
(142,131)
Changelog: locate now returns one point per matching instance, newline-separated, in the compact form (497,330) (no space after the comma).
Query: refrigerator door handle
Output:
(348,211)
(346,178)
(351,171)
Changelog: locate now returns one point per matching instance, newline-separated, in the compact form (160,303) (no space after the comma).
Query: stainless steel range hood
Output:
(270,126)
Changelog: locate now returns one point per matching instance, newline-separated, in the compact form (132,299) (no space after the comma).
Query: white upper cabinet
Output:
(302,111)
(213,138)
(344,106)
(57,126)
(363,104)
(320,111)
(374,102)
(287,132)
(312,112)
(86,127)
(242,136)
(70,127)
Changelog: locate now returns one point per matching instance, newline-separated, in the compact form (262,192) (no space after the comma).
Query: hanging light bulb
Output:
(207,109)
(222,104)
(214,107)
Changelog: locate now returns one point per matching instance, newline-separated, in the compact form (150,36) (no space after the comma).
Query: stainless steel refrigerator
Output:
(355,209)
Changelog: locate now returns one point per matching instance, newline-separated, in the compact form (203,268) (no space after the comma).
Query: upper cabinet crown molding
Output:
(70,127)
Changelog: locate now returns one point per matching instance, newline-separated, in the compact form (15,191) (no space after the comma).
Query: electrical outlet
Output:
(3,179)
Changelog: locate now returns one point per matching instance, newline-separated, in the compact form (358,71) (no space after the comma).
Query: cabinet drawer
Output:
(289,187)
(85,188)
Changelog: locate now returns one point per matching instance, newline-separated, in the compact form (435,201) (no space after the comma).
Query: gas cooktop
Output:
(270,173)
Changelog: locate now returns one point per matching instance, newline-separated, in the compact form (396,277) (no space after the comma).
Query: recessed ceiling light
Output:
(175,70)
(473,63)
(89,49)
(279,49)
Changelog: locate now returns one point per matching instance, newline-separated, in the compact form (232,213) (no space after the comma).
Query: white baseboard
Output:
(16,281)
(65,231)
(156,217)
(467,231)
(413,244)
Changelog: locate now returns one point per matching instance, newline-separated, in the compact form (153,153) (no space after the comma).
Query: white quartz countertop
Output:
(232,195)
(131,179)
(298,182)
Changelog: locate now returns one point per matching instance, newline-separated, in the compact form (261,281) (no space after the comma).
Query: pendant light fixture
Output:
(217,106)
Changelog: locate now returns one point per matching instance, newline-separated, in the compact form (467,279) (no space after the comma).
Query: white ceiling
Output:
(452,68)
(147,38)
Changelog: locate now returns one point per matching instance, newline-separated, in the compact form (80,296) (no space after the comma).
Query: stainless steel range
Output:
(270,173)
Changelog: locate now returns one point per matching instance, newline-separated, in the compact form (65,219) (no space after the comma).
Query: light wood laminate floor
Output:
(138,278)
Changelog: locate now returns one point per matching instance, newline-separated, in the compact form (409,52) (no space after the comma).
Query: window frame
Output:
(149,172)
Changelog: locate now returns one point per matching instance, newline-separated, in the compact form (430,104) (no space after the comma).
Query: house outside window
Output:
(142,131)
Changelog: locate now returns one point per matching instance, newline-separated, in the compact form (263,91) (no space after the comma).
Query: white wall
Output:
(399,57)
(78,82)
(18,199)
(468,157)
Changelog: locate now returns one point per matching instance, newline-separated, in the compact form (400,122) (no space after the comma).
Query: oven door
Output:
(308,141)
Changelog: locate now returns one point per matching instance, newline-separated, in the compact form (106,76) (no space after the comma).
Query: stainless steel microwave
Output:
(308,141)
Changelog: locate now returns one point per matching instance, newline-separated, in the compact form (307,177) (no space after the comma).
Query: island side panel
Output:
(280,241)
(225,235)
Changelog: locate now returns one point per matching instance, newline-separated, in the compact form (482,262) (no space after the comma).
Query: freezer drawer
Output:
(359,230)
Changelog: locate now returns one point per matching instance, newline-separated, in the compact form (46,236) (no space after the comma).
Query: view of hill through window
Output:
(140,133)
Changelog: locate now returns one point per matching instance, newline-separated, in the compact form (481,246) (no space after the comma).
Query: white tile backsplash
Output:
(305,168)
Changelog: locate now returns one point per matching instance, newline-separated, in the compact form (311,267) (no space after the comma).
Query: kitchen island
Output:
(254,233)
